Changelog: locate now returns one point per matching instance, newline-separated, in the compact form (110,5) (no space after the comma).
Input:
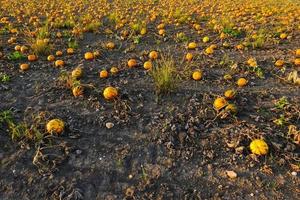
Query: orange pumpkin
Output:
(59,53)
(24,66)
(70,51)
(32,58)
(132,63)
(89,56)
(59,63)
(51,58)
(103,74)
(241,82)
(110,93)
(153,55)
(147,65)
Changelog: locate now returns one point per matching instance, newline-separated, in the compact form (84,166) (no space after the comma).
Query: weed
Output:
(92,26)
(137,39)
(165,75)
(72,43)
(21,130)
(16,56)
(258,71)
(4,78)
(281,103)
(232,32)
(43,32)
(281,121)
(40,46)
(181,37)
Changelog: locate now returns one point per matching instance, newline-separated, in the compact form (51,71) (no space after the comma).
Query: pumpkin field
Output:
(149,99)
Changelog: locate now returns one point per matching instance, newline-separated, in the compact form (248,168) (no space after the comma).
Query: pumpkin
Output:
(70,51)
(220,103)
(103,74)
(17,47)
(153,55)
(297,61)
(114,70)
(147,65)
(205,39)
(110,93)
(229,94)
(192,45)
(59,63)
(51,58)
(110,45)
(143,31)
(297,52)
(132,63)
(24,66)
(259,147)
(162,32)
(241,82)
(89,56)
(283,36)
(189,56)
(24,49)
(279,63)
(197,75)
(59,53)
(56,126)
(209,50)
(32,58)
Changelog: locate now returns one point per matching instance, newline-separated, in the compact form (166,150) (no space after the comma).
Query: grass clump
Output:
(22,130)
(165,75)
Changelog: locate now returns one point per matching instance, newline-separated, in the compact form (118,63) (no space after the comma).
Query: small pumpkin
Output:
(229,94)
(114,70)
(32,57)
(59,53)
(24,66)
(189,57)
(147,65)
(70,51)
(110,93)
(197,75)
(110,45)
(153,55)
(241,82)
(220,103)
(259,147)
(51,58)
(132,63)
(59,63)
(56,126)
(192,45)
(89,56)
(103,74)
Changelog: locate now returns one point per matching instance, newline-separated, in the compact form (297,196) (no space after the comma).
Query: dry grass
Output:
(165,75)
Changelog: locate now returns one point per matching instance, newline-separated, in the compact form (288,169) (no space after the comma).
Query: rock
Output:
(294,173)
(231,174)
(109,125)
(78,151)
